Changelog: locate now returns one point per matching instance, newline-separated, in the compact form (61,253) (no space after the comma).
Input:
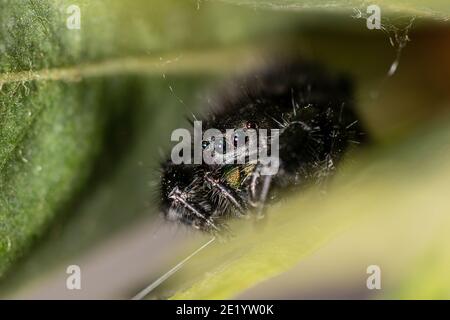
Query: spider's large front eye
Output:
(219,145)
(205,144)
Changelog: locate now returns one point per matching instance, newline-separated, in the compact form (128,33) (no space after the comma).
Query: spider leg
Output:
(227,193)
(253,183)
(258,196)
(263,197)
(177,195)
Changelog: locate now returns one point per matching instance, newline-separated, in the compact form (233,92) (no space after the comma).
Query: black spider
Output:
(315,115)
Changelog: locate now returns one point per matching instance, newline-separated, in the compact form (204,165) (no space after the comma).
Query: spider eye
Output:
(205,144)
(251,125)
(219,145)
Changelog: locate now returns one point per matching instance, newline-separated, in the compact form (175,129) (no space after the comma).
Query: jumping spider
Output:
(313,110)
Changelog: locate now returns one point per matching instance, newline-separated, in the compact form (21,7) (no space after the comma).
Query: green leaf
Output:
(436,9)
(47,130)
